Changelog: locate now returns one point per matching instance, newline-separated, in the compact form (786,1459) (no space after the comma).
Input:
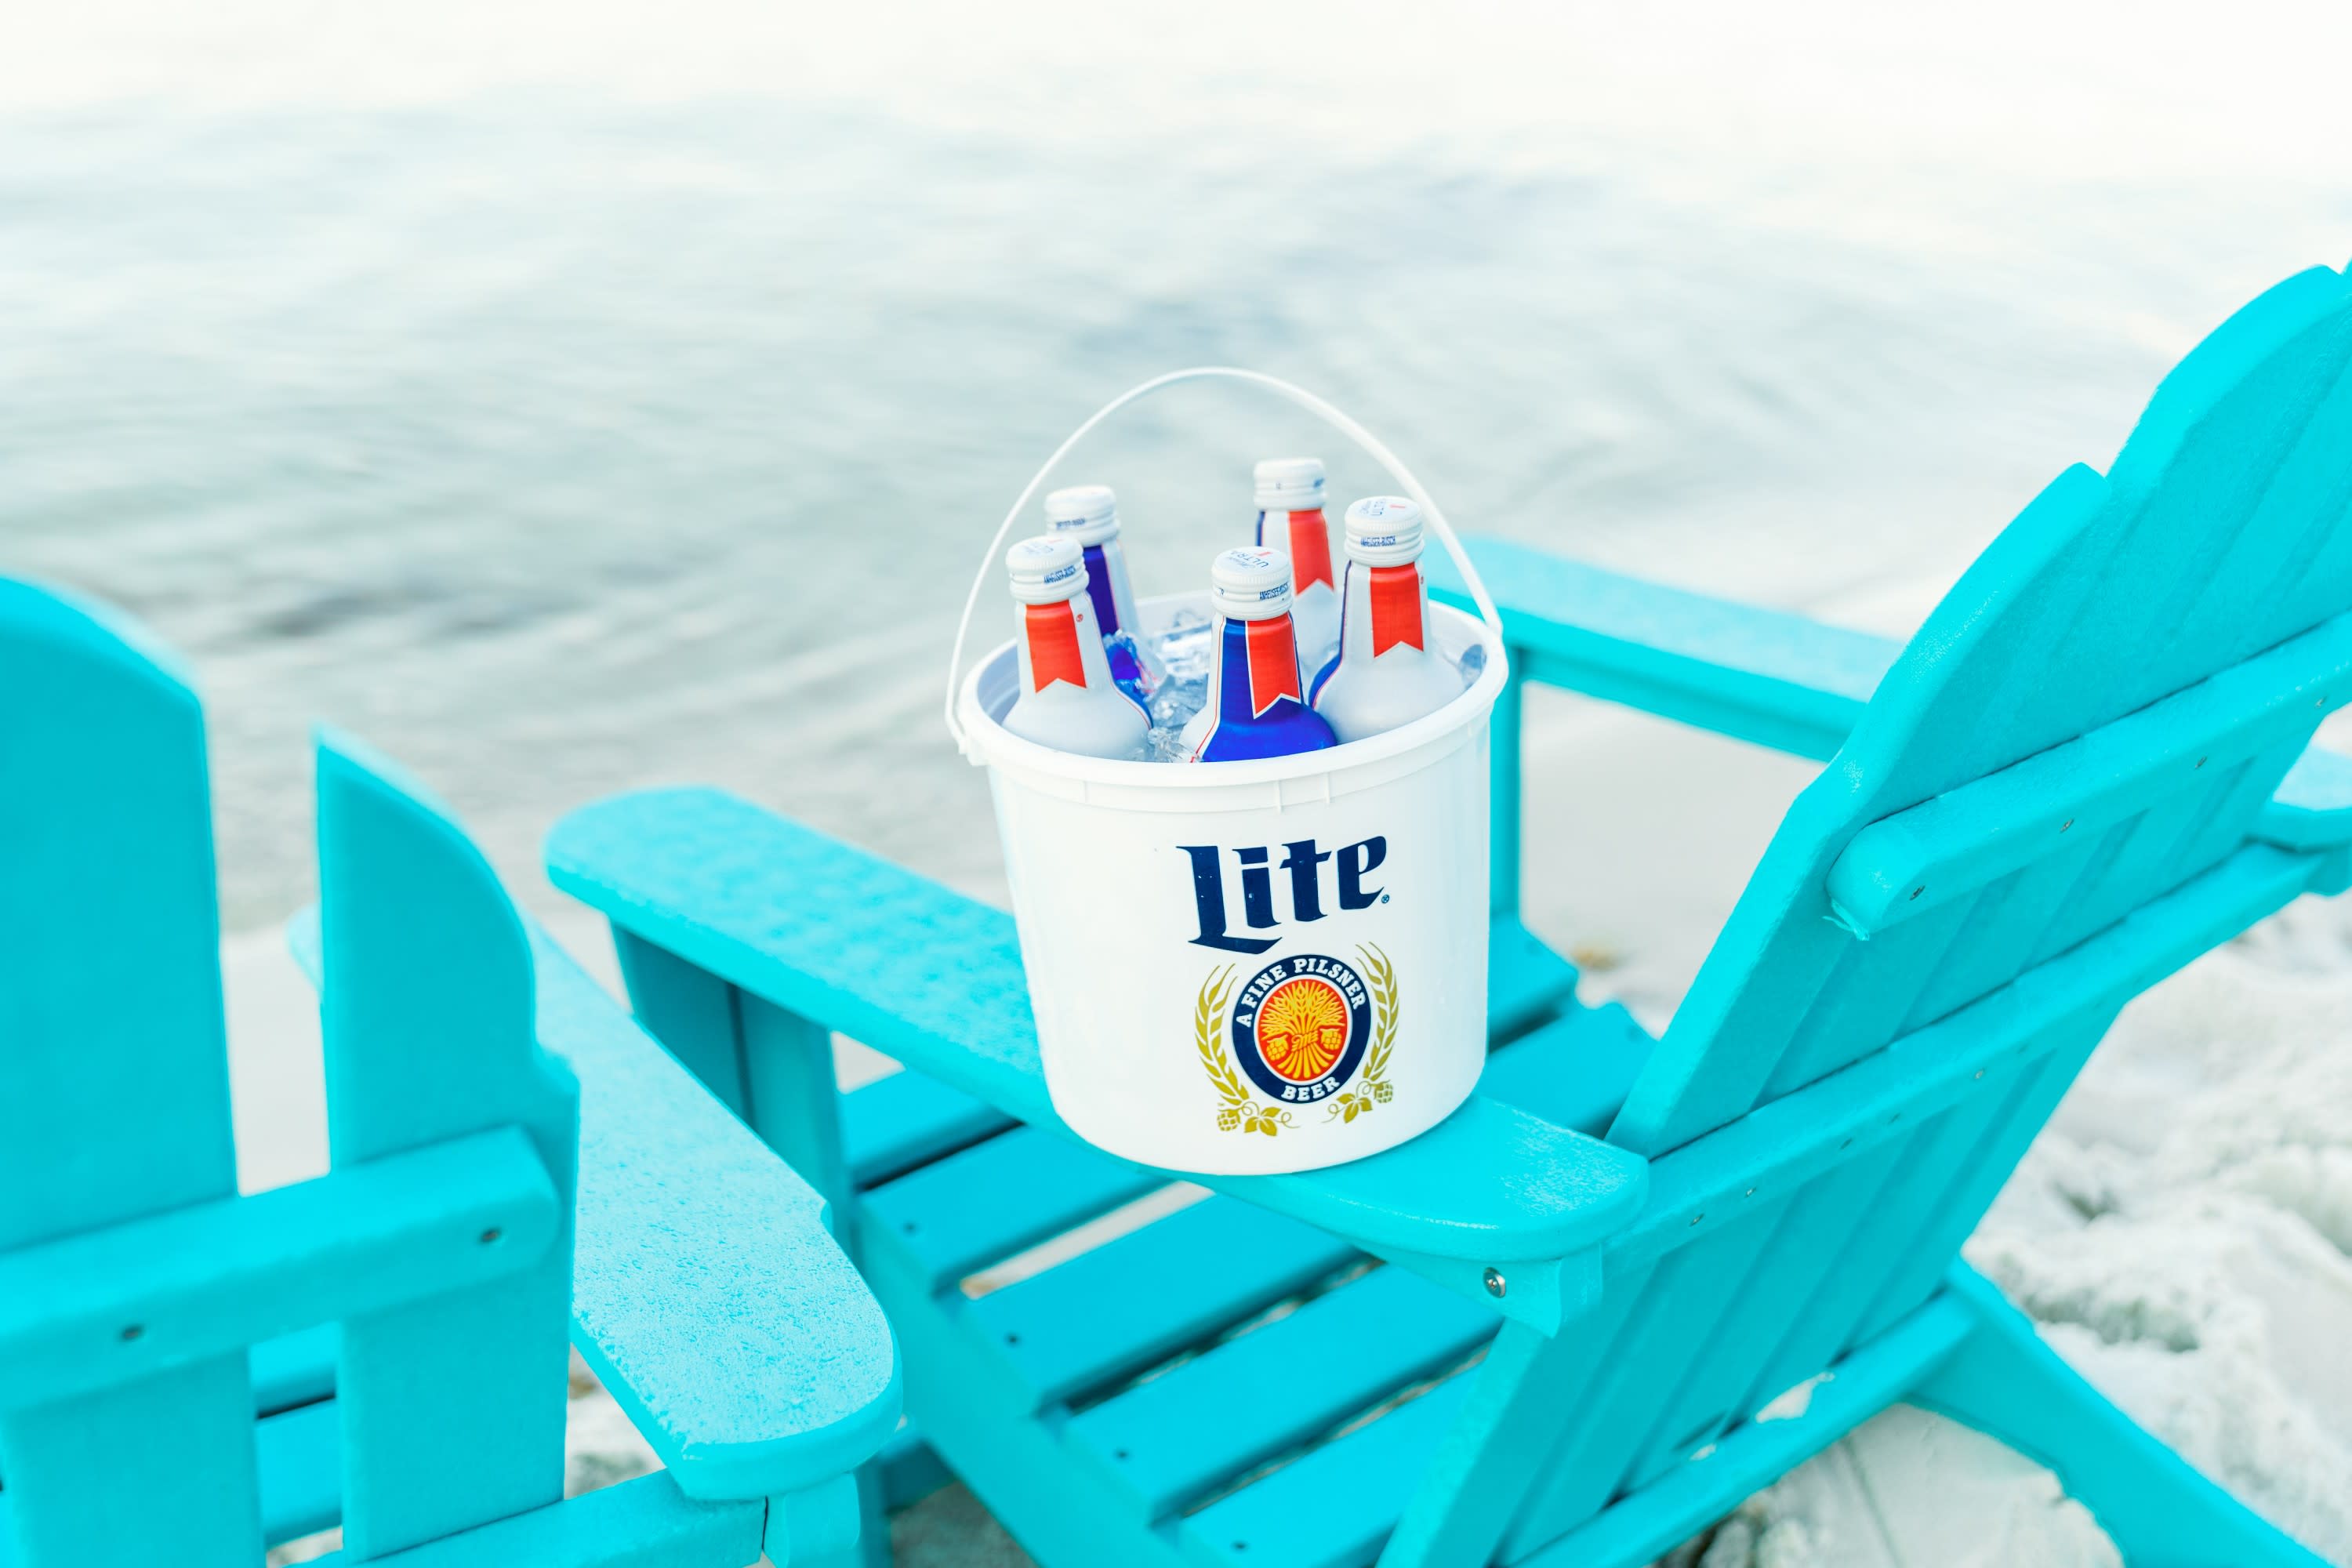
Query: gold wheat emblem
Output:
(1309,1039)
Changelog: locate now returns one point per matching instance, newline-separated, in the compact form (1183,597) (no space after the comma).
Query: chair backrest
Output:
(114,1099)
(2223,532)
(114,1107)
(453,1407)
(2091,717)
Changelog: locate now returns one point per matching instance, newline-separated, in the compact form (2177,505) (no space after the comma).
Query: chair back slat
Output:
(1871,988)
(2273,558)
(453,1408)
(1957,1206)
(1714,1328)
(1813,1228)
(2223,530)
(114,1097)
(1685,1301)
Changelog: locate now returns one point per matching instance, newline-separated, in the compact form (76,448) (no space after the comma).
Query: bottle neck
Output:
(1106,586)
(1386,606)
(1258,668)
(1059,642)
(1308,538)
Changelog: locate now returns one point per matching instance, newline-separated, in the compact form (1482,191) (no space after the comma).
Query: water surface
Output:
(570,399)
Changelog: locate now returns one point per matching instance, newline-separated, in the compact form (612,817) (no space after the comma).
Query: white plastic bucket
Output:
(1240,968)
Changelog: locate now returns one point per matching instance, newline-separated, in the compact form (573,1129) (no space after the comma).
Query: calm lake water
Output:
(569,398)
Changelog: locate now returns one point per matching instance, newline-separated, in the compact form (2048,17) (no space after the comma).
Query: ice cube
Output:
(1184,647)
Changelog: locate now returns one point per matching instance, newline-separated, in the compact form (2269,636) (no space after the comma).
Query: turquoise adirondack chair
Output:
(1631,1280)
(187,1374)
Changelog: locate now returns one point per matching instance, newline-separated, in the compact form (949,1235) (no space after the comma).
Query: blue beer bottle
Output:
(1258,704)
(1089,514)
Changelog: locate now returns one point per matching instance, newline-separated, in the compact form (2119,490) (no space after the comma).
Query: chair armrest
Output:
(1764,676)
(2312,806)
(822,930)
(1957,844)
(706,1294)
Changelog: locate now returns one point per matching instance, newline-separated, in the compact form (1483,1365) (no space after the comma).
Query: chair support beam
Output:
(1955,844)
(111,1306)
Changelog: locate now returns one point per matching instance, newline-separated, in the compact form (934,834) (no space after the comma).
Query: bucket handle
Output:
(1330,416)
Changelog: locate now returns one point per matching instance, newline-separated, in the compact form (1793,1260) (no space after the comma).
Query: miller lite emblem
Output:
(1303,1031)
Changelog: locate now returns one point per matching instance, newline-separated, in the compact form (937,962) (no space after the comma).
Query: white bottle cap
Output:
(1088,513)
(1383,531)
(1046,570)
(1251,583)
(1290,484)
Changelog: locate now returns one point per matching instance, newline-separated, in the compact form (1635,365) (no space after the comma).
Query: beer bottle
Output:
(1256,705)
(1389,671)
(1067,700)
(1089,514)
(1290,518)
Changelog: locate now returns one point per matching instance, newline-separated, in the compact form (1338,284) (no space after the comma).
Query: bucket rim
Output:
(992,745)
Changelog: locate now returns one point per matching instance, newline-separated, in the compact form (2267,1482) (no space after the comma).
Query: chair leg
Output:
(2159,1511)
(834,1524)
(873,1550)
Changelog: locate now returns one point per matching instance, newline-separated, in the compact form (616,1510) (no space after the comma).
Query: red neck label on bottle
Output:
(1273,664)
(1396,607)
(1053,631)
(1310,549)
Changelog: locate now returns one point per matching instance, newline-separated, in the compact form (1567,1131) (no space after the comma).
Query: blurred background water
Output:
(569,397)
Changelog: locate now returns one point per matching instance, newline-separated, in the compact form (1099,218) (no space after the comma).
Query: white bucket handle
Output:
(1305,399)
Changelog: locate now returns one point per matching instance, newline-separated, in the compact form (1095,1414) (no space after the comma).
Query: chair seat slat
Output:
(1180,1435)
(299,1458)
(1526,980)
(1138,1299)
(295,1369)
(987,1203)
(898,1123)
(1335,1505)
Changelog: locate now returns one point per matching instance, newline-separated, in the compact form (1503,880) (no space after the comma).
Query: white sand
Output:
(2181,1230)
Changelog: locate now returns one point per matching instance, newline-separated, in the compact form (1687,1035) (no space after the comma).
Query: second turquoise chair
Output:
(187,1375)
